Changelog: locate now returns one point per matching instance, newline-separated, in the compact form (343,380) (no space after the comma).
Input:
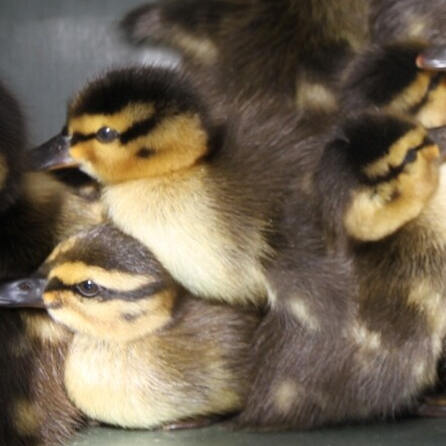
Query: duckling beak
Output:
(22,293)
(52,154)
(433,58)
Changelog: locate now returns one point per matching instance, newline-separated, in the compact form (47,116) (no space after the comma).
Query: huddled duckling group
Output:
(278,258)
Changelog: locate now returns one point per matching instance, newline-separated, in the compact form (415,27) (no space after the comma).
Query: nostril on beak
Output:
(25,286)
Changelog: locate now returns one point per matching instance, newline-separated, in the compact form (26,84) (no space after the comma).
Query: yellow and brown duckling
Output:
(395,165)
(144,353)
(358,332)
(294,48)
(201,197)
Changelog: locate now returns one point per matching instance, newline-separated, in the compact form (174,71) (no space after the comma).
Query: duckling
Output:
(165,356)
(359,329)
(293,48)
(387,77)
(194,193)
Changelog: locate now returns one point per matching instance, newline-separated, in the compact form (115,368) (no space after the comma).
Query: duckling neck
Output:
(198,233)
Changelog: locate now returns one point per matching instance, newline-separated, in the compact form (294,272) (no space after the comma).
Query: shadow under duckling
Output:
(292,48)
(144,353)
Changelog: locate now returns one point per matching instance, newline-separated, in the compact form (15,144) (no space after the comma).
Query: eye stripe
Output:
(80,137)
(138,129)
(396,170)
(55,284)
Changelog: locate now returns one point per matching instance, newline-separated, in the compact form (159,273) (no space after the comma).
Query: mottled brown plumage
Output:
(400,20)
(35,409)
(292,48)
(359,329)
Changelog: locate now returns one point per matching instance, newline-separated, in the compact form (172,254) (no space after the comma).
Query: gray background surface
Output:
(49,48)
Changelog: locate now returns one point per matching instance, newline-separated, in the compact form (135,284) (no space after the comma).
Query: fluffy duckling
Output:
(165,356)
(387,77)
(194,193)
(364,301)
(294,48)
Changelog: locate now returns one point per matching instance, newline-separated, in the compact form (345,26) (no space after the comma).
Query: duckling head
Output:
(390,169)
(387,77)
(12,146)
(138,123)
(101,283)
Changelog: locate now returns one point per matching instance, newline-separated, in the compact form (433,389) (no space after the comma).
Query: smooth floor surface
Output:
(416,432)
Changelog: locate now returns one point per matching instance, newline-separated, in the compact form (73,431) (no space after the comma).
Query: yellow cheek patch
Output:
(433,113)
(115,320)
(120,121)
(84,152)
(184,130)
(71,273)
(376,212)
(412,95)
(396,153)
(178,141)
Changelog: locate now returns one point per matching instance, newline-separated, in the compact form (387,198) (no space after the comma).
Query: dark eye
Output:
(88,288)
(410,157)
(106,134)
